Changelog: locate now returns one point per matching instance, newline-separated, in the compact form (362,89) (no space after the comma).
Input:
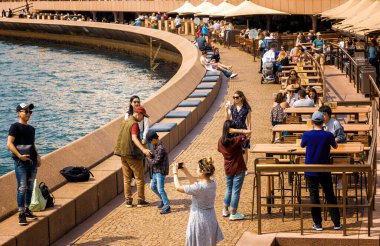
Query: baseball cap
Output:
(142,111)
(318,34)
(317,116)
(23,106)
(151,135)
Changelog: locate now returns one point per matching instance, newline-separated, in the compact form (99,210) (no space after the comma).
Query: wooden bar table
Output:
(293,149)
(301,128)
(305,67)
(345,110)
(310,72)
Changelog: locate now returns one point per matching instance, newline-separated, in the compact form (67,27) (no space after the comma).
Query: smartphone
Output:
(180,165)
(292,150)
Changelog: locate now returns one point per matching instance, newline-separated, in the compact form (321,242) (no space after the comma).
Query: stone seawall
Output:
(97,146)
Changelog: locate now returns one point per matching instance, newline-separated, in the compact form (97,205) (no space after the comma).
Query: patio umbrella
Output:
(205,6)
(339,9)
(222,7)
(187,6)
(369,13)
(353,10)
(249,8)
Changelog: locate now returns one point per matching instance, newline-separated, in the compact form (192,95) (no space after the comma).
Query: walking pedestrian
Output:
(318,144)
(159,165)
(234,167)
(203,228)
(21,142)
(131,151)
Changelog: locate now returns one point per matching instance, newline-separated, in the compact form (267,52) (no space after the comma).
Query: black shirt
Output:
(24,135)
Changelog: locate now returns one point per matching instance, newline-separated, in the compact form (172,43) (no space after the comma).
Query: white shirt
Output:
(143,125)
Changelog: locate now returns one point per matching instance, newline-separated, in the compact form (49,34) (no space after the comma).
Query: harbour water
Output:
(74,90)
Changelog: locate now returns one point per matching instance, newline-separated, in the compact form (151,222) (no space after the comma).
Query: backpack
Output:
(38,202)
(47,195)
(76,174)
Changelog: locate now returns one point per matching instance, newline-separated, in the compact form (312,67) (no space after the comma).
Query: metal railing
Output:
(320,73)
(345,63)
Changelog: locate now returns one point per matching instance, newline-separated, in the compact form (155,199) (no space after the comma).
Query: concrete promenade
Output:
(117,225)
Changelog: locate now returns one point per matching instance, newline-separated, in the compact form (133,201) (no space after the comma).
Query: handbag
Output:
(47,195)
(38,202)
(25,149)
(76,174)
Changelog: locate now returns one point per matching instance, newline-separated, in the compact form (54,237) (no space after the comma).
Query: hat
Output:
(151,135)
(23,106)
(142,111)
(317,116)
(318,34)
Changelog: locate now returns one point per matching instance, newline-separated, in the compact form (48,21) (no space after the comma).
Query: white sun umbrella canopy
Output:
(205,6)
(249,8)
(353,10)
(222,7)
(339,9)
(187,6)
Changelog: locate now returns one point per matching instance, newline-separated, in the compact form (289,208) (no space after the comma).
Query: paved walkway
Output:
(117,225)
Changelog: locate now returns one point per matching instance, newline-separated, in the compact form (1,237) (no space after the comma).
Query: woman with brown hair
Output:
(294,82)
(203,228)
(240,114)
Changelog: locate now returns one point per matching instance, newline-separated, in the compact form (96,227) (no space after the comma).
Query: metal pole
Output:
(258,198)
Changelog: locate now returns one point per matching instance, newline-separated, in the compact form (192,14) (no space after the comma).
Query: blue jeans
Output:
(232,195)
(25,174)
(157,185)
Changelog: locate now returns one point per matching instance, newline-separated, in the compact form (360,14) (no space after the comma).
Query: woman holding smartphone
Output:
(203,228)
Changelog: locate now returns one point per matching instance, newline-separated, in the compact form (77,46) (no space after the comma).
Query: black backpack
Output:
(76,174)
(47,195)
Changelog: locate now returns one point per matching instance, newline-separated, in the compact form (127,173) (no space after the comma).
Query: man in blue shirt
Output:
(318,144)
(317,47)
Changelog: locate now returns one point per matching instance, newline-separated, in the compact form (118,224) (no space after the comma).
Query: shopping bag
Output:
(38,202)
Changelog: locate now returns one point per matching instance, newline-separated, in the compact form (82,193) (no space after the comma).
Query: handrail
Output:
(352,64)
(321,73)
(344,168)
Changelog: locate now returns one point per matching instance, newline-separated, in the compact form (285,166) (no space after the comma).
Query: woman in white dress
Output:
(203,228)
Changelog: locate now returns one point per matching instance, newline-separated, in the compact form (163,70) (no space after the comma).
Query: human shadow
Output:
(106,241)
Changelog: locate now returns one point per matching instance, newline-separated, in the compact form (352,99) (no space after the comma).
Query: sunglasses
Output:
(136,101)
(27,111)
(236,97)
(292,74)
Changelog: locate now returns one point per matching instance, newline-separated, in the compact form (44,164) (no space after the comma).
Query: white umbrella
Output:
(354,10)
(249,8)
(205,6)
(184,8)
(222,7)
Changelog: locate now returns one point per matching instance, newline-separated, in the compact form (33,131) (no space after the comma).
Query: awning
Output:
(352,11)
(371,12)
(205,6)
(339,9)
(222,7)
(187,6)
(249,8)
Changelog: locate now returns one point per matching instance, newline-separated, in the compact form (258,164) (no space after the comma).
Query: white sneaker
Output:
(233,75)
(225,213)
(133,182)
(237,216)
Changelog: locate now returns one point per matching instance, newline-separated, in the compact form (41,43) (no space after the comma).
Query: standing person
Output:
(240,114)
(234,167)
(318,144)
(262,48)
(332,125)
(372,55)
(203,228)
(135,102)
(159,163)
(3,14)
(21,142)
(177,23)
(317,47)
(131,151)
(277,114)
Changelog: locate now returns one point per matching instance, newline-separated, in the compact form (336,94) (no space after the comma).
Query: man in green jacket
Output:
(131,151)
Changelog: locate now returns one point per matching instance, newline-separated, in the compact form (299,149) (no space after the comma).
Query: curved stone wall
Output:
(95,147)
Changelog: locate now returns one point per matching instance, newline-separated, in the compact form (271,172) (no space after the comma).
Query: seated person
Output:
(313,95)
(216,56)
(282,60)
(212,66)
(303,56)
(294,82)
(332,125)
(202,44)
(302,100)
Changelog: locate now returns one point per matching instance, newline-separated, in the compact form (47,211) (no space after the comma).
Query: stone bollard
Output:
(186,28)
(166,25)
(192,26)
(160,25)
(172,26)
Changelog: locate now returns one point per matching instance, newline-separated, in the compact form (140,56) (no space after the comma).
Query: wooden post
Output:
(166,23)
(192,27)
(258,200)
(314,20)
(160,25)
(186,28)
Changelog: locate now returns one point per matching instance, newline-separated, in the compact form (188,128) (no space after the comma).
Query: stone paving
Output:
(145,226)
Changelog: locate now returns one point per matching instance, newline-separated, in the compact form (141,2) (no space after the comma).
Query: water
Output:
(75,91)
